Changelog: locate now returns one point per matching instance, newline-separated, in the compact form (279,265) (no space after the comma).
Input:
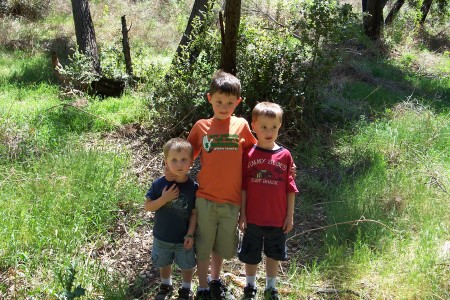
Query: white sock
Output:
(186,285)
(211,279)
(167,280)
(271,282)
(251,280)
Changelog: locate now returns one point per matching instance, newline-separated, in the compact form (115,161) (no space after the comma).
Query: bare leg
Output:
(165,272)
(272,267)
(187,275)
(271,272)
(202,270)
(250,270)
(216,264)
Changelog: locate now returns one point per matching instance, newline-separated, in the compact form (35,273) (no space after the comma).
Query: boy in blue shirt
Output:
(175,219)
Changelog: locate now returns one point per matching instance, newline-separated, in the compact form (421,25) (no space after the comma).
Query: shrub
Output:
(285,61)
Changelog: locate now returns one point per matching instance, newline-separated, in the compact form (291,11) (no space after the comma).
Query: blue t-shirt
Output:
(171,221)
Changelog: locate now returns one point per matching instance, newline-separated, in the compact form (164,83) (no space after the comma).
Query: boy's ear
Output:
(208,97)
(238,101)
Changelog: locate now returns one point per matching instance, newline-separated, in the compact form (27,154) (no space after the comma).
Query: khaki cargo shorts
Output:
(216,229)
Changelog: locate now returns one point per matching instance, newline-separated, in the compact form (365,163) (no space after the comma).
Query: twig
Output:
(353,222)
(258,10)
(378,87)
(187,115)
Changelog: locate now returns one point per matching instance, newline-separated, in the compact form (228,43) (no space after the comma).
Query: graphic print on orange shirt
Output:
(220,142)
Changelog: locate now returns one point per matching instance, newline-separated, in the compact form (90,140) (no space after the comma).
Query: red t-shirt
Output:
(267,180)
(221,144)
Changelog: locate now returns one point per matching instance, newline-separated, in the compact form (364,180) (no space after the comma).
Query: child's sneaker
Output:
(249,293)
(165,291)
(271,294)
(219,290)
(185,294)
(203,295)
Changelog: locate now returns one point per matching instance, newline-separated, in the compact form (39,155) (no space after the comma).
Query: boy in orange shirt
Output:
(220,141)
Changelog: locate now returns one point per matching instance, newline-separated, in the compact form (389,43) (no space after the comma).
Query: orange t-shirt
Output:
(220,144)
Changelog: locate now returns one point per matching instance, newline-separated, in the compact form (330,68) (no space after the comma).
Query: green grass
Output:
(57,204)
(395,171)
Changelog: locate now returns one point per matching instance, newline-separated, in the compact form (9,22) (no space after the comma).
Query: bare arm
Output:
(242,223)
(189,238)
(289,221)
(168,194)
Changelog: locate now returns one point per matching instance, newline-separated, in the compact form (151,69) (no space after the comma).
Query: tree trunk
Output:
(199,8)
(229,43)
(126,48)
(84,30)
(394,11)
(424,10)
(373,22)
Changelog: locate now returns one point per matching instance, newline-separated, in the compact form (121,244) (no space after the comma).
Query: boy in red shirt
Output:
(268,194)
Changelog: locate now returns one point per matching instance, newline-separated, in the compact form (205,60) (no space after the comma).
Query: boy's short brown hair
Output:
(177,144)
(224,82)
(267,109)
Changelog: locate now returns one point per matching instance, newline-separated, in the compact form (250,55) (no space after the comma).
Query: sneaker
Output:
(271,294)
(185,294)
(165,291)
(219,290)
(203,295)
(249,293)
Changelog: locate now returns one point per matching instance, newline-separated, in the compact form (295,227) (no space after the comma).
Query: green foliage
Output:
(179,99)
(67,279)
(283,63)
(393,175)
(79,69)
(406,26)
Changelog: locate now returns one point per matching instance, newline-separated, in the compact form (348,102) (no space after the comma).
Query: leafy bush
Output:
(284,60)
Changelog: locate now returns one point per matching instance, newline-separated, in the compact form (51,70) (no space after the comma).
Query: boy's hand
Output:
(169,175)
(170,193)
(288,224)
(188,242)
(292,171)
(242,223)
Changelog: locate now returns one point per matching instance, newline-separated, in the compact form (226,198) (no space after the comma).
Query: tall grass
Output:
(395,181)
(60,189)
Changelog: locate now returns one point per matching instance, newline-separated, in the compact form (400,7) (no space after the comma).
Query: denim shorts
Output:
(164,254)
(256,238)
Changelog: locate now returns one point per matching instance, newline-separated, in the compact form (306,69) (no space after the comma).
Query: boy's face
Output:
(178,162)
(266,129)
(223,105)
